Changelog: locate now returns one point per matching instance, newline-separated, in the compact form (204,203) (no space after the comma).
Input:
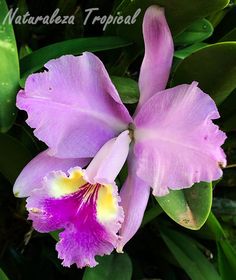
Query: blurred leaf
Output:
(230,124)
(115,267)
(226,253)
(214,67)
(188,207)
(196,32)
(24,51)
(55,235)
(38,58)
(189,256)
(25,136)
(128,89)
(227,108)
(227,269)
(183,53)
(66,7)
(14,156)
(3,275)
(231,36)
(9,74)
(226,260)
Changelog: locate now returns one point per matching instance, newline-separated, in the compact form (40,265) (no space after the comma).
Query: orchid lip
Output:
(88,213)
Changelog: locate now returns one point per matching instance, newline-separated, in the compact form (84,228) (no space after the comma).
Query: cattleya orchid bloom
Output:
(171,143)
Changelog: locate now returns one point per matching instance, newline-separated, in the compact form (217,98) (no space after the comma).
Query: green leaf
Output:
(226,253)
(183,53)
(188,207)
(189,256)
(214,67)
(55,234)
(231,36)
(3,275)
(14,156)
(115,267)
(196,32)
(128,89)
(38,58)
(9,74)
(226,260)
(24,51)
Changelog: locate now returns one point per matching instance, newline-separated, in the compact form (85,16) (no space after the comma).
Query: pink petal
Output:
(177,144)
(73,106)
(32,175)
(89,228)
(158,56)
(134,198)
(108,162)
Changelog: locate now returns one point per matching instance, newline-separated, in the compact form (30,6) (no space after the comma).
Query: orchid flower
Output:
(171,143)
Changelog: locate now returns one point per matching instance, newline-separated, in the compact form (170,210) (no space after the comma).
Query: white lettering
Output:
(89,13)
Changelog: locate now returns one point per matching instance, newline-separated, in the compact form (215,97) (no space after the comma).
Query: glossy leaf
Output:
(128,89)
(3,275)
(214,67)
(14,156)
(196,32)
(189,256)
(188,207)
(183,53)
(114,266)
(180,14)
(226,261)
(38,58)
(9,74)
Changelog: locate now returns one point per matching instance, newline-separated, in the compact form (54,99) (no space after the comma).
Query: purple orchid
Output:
(75,109)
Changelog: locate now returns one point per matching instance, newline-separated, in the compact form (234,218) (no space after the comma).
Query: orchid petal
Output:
(177,143)
(89,216)
(74,107)
(134,198)
(159,50)
(32,175)
(108,162)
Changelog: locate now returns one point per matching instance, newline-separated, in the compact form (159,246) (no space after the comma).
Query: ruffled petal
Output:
(134,198)
(176,142)
(88,215)
(74,107)
(109,160)
(159,50)
(32,175)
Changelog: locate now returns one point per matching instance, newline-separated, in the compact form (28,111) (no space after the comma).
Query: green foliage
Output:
(188,207)
(214,67)
(127,88)
(115,266)
(196,32)
(9,74)
(37,59)
(180,14)
(3,275)
(14,156)
(189,256)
